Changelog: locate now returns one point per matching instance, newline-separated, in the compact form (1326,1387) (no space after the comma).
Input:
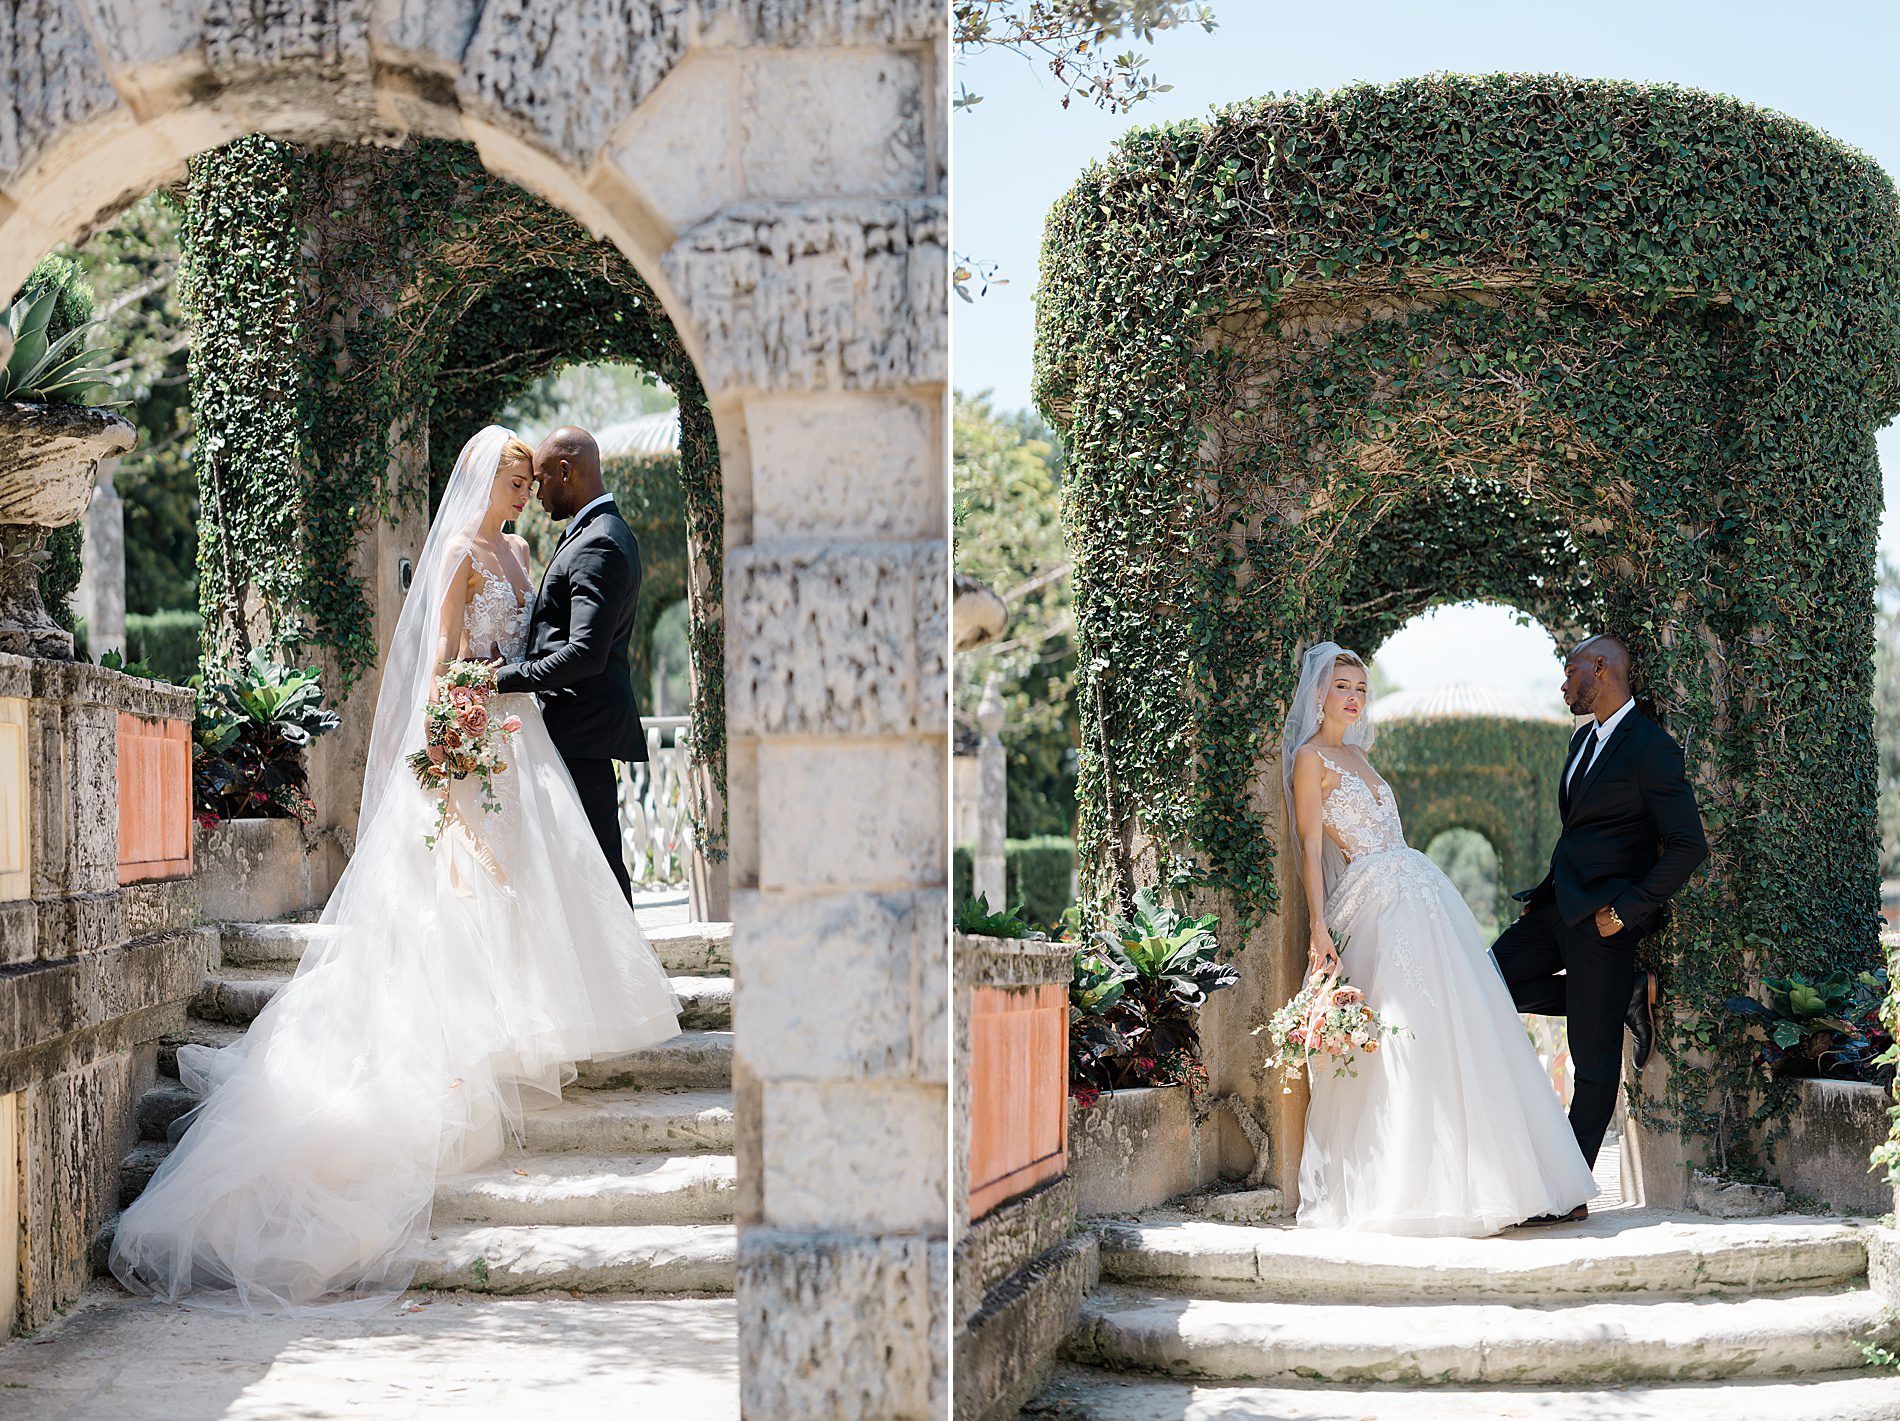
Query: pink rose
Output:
(511,725)
(476,719)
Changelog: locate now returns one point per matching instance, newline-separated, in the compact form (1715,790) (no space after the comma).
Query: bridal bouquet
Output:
(1327,1017)
(459,739)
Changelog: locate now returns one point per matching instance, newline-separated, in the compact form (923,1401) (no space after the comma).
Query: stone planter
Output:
(49,455)
(258,870)
(1836,1126)
(1138,1148)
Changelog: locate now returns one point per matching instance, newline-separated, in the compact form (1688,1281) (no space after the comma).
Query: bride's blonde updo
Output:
(516,448)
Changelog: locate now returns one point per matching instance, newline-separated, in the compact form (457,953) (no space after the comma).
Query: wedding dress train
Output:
(448,988)
(1452,1126)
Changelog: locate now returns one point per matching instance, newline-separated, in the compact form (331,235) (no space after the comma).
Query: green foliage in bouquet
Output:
(249,738)
(1135,999)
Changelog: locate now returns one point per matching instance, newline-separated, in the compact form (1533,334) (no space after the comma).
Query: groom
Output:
(578,630)
(1631,837)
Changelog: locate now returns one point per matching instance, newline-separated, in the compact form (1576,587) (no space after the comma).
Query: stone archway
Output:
(1320,368)
(775,174)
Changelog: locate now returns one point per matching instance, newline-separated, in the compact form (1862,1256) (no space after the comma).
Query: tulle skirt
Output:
(453,985)
(1452,1127)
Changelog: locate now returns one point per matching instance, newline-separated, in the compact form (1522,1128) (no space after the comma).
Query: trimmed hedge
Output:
(171,643)
(1038,873)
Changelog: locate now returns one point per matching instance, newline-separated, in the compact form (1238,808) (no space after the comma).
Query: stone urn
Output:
(49,456)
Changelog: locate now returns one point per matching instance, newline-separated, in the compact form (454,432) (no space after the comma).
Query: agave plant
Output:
(50,372)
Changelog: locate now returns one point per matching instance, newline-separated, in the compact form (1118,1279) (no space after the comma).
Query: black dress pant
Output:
(1592,994)
(600,797)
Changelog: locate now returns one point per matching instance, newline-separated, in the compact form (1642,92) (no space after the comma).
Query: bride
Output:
(1452,1127)
(451,983)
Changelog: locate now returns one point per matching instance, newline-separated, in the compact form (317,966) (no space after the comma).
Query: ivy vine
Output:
(355,305)
(1612,353)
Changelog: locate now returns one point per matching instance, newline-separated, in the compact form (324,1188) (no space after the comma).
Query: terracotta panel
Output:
(1019,1068)
(15,787)
(154,798)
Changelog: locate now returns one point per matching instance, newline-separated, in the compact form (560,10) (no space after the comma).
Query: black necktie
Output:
(1583,761)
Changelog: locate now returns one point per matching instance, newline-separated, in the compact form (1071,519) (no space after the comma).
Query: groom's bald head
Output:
(567,468)
(1597,676)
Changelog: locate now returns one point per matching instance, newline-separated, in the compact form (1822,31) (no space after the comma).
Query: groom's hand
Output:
(1608,924)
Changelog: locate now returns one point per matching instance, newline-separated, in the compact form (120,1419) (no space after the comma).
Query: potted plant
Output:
(251,789)
(1135,1000)
(51,442)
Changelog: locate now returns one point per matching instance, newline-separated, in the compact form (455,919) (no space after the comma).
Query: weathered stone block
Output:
(1137,1148)
(832,976)
(930,989)
(845,466)
(55,81)
(76,1128)
(256,870)
(1836,1126)
(243,37)
(835,640)
(1004,1355)
(818,830)
(821,22)
(680,148)
(839,123)
(1010,1236)
(563,76)
(867,1156)
(842,1328)
(426,34)
(818,296)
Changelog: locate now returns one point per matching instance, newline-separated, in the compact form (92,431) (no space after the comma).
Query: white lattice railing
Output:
(656,833)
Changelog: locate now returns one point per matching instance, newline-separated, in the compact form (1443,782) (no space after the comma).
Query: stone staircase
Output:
(625,1187)
(1632,1312)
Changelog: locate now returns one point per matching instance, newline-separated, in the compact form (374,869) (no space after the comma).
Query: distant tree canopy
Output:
(1008,531)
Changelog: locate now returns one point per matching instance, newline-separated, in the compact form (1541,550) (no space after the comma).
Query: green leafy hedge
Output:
(1612,353)
(1038,873)
(168,642)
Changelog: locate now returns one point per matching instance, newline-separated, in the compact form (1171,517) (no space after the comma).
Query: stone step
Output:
(592,1190)
(161,1105)
(704,949)
(643,1258)
(1447,1344)
(633,1122)
(1621,1253)
(235,995)
(693,1060)
(1075,1392)
(603,1122)
(687,949)
(548,1189)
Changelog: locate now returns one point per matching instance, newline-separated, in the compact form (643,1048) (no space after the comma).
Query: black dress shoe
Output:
(1641,1017)
(1576,1215)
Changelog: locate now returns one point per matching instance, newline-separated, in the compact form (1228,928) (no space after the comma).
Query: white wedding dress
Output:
(441,1001)
(1451,1127)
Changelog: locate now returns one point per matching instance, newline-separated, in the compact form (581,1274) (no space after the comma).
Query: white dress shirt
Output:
(1599,736)
(581,513)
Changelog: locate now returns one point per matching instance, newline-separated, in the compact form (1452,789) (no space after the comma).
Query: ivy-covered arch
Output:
(358,311)
(1305,352)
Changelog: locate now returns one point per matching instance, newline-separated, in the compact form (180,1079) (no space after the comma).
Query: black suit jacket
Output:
(1632,833)
(578,632)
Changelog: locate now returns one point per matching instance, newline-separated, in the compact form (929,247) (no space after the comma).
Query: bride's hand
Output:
(1321,955)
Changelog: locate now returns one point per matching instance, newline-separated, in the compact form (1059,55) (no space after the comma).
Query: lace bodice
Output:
(1365,820)
(497,625)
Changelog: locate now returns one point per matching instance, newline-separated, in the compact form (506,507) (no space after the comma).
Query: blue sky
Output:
(1828,64)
